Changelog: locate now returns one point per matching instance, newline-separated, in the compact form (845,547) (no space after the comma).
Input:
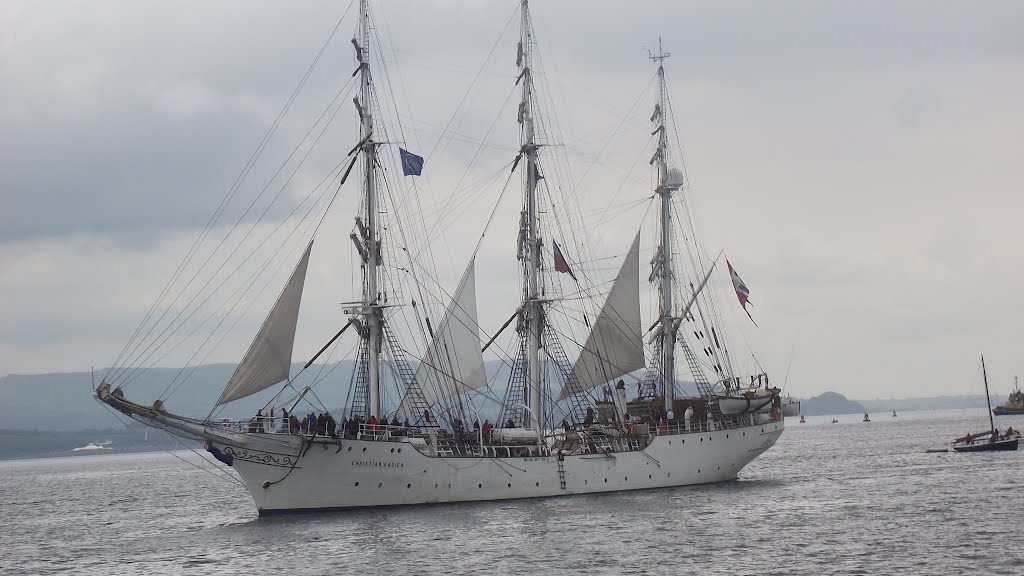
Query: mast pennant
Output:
(742,292)
(269,358)
(412,164)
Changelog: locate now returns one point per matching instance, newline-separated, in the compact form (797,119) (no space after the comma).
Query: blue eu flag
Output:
(412,164)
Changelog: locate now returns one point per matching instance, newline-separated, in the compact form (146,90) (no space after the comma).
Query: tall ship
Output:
(1014,404)
(425,420)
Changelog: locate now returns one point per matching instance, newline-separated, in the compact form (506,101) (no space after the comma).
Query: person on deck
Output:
(332,425)
(487,431)
(589,419)
(510,423)
(395,422)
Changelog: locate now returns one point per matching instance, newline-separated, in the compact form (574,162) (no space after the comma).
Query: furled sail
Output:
(269,357)
(453,363)
(615,345)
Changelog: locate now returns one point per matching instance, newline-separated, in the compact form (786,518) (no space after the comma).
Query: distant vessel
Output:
(1014,404)
(834,421)
(866,417)
(992,439)
(790,407)
(90,447)
(893,413)
(802,421)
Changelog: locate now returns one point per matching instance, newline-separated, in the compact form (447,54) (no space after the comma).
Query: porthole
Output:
(349,448)
(605,480)
(392,450)
(649,477)
(509,484)
(701,439)
(726,435)
(698,470)
(683,440)
(479,485)
(538,484)
(357,483)
(380,484)
(364,448)
(627,478)
(435,485)
(408,485)
(399,450)
(744,433)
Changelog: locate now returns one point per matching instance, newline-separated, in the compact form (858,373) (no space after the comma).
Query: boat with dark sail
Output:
(989,440)
(563,426)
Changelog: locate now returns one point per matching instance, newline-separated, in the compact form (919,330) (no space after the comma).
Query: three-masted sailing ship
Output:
(563,427)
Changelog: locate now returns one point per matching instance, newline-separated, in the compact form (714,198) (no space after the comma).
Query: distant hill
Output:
(64,401)
(830,403)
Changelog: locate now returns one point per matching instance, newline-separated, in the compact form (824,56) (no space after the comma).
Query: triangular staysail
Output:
(269,358)
(453,363)
(614,347)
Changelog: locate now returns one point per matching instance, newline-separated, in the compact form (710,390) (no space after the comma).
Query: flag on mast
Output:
(742,292)
(560,264)
(412,164)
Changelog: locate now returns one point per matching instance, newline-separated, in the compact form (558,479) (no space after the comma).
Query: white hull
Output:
(790,408)
(374,473)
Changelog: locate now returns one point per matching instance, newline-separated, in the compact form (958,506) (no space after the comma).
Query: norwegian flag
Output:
(560,264)
(742,292)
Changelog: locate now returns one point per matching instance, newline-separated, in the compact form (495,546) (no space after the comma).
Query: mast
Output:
(532,271)
(370,310)
(984,375)
(666,186)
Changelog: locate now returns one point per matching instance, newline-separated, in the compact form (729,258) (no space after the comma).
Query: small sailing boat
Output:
(866,418)
(565,428)
(991,439)
(893,413)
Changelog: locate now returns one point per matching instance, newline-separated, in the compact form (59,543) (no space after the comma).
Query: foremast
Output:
(530,253)
(370,309)
(667,185)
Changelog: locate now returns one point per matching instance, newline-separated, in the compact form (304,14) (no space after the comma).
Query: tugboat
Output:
(866,418)
(1014,404)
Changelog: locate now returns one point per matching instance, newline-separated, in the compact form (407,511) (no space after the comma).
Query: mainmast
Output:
(532,270)
(370,309)
(984,375)
(667,184)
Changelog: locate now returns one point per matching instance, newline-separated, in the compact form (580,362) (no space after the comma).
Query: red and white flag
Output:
(560,264)
(742,292)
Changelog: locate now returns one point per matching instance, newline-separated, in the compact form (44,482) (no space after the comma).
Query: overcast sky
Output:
(859,162)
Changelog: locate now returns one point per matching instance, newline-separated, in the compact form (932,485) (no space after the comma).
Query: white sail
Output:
(453,363)
(615,346)
(269,357)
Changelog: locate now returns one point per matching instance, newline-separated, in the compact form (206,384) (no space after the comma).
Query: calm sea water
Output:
(846,498)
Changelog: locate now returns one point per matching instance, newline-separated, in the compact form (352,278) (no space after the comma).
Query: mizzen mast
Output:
(667,184)
(530,252)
